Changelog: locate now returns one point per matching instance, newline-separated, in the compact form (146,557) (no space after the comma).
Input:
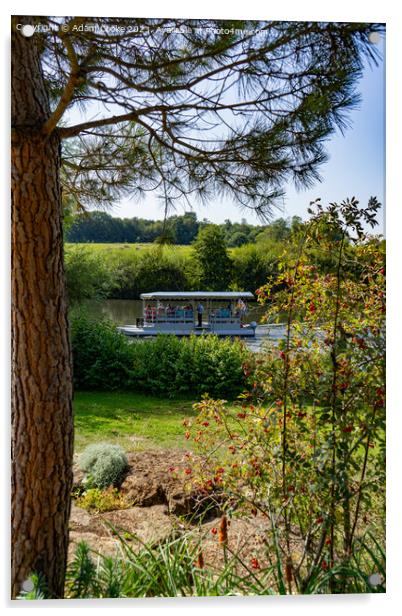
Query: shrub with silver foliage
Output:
(104,464)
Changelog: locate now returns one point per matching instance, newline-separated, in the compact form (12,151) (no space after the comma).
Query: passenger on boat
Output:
(188,313)
(241,308)
(200,311)
(149,313)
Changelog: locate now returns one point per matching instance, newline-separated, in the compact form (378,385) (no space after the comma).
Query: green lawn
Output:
(135,421)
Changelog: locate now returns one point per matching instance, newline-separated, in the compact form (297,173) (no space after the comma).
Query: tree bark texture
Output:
(42,422)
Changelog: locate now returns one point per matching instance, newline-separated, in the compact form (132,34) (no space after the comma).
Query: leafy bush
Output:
(105,359)
(213,265)
(88,276)
(190,365)
(102,357)
(253,264)
(152,268)
(104,464)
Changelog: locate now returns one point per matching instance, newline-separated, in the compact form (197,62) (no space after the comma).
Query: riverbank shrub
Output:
(253,264)
(124,271)
(154,268)
(102,356)
(194,365)
(105,359)
(88,275)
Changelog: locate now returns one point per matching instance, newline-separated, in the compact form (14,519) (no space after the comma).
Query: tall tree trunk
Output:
(42,424)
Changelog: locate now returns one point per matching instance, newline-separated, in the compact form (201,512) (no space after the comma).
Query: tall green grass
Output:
(174,569)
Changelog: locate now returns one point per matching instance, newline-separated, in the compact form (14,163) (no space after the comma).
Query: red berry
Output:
(254,563)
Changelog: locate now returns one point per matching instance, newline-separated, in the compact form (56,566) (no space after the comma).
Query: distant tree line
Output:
(100,227)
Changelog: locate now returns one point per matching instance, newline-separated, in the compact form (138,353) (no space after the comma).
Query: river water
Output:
(126,311)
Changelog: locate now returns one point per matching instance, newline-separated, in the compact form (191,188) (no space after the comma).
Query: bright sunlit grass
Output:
(135,421)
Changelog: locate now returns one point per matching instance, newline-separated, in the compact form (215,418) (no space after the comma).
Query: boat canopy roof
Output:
(182,295)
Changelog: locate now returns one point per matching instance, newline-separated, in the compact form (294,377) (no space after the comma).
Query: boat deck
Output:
(150,331)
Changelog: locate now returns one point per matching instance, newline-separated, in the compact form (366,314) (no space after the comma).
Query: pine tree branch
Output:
(76,129)
(73,80)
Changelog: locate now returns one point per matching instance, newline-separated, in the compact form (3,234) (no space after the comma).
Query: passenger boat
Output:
(193,312)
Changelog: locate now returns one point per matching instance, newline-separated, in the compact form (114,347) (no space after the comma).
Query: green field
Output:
(116,249)
(134,421)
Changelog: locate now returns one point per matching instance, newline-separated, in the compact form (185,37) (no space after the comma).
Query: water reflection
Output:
(120,311)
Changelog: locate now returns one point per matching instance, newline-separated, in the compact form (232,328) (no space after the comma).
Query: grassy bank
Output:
(135,421)
(124,271)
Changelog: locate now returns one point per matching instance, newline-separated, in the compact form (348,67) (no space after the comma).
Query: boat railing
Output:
(176,316)
(216,318)
(223,317)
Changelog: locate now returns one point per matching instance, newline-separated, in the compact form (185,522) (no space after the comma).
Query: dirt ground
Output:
(161,506)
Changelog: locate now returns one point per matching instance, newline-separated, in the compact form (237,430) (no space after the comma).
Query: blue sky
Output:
(356,165)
